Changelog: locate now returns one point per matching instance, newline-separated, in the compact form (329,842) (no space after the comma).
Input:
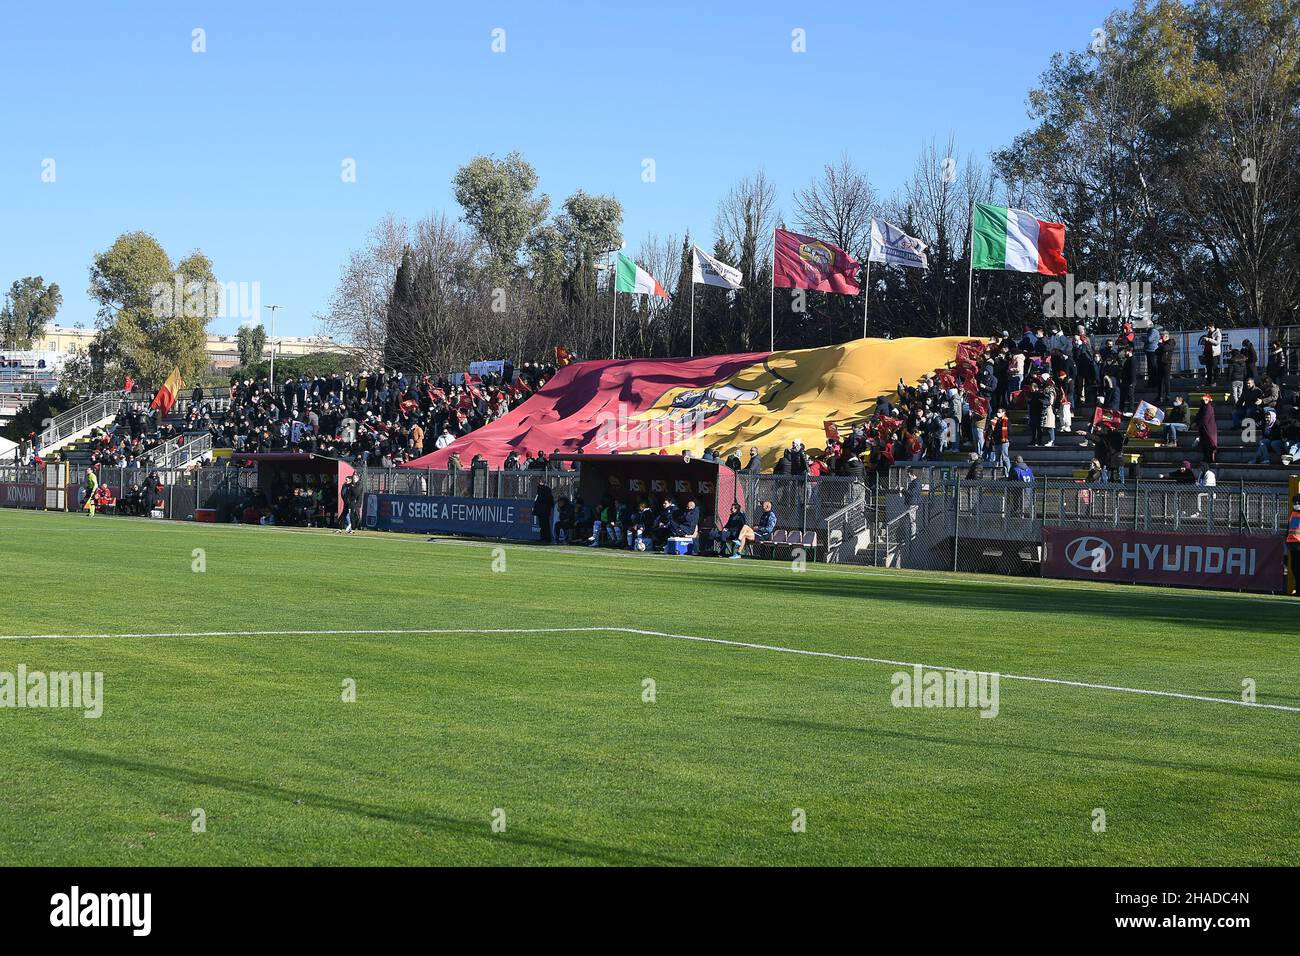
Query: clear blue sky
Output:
(237,151)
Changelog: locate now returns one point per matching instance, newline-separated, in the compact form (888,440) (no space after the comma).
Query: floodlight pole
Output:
(272,308)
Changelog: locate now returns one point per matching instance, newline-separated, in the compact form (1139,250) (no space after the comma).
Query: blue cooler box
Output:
(679,546)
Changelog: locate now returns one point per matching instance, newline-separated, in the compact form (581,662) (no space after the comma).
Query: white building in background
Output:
(25,370)
(223,350)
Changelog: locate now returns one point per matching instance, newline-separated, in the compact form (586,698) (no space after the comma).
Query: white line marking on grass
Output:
(645,633)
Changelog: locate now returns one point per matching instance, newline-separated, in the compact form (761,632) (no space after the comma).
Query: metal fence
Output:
(997,526)
(468,482)
(11,473)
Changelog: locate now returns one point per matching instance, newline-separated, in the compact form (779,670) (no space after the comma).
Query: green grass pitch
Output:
(551,727)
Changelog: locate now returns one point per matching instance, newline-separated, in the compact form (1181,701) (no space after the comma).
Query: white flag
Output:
(711,271)
(893,247)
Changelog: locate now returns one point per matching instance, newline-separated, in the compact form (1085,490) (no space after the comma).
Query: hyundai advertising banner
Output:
(1224,561)
(480,517)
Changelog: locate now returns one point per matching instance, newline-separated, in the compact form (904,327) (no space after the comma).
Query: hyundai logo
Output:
(1089,553)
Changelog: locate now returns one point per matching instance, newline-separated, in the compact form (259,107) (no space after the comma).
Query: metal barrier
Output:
(469,482)
(21,474)
(180,451)
(997,526)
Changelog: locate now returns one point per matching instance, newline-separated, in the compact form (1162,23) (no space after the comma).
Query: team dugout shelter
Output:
(282,472)
(628,478)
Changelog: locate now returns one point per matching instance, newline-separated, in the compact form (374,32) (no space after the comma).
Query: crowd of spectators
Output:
(1062,382)
(376,417)
(1051,375)
(132,439)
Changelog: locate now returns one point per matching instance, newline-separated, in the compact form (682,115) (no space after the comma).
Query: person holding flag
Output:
(92,488)
(166,396)
(1145,421)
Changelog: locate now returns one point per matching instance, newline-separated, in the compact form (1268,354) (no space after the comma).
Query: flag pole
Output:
(771,316)
(613,278)
(970,274)
(866,295)
(692,316)
(692,302)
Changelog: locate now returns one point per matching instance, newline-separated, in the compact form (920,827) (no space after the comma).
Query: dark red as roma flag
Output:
(802,262)
(970,351)
(832,432)
(1107,418)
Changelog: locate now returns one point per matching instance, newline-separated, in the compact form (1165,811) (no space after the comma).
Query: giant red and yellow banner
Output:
(728,403)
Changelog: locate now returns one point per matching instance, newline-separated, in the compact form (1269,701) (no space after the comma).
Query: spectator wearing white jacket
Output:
(1211,350)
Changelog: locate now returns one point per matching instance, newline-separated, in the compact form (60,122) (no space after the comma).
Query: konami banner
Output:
(1224,561)
(21,494)
(425,514)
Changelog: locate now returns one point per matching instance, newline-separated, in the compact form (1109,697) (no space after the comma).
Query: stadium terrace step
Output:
(1225,456)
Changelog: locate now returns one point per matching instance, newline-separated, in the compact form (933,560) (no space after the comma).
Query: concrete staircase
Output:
(78,422)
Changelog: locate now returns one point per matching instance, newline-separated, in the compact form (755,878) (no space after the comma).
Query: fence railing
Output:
(11,403)
(998,525)
(180,451)
(469,482)
(79,418)
(21,474)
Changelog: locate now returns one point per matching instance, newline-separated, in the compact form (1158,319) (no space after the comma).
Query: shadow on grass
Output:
(823,727)
(1000,596)
(574,848)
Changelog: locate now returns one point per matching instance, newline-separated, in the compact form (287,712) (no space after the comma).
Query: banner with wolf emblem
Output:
(722,403)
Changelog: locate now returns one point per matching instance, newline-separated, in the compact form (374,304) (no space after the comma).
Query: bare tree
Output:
(358,310)
(838,206)
(651,328)
(746,217)
(439,316)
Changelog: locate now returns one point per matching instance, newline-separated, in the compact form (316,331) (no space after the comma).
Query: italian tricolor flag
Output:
(1012,239)
(630,277)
